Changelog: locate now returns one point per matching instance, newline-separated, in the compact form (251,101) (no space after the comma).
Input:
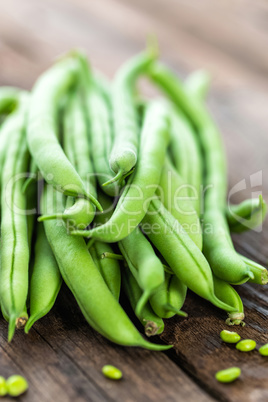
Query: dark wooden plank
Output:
(62,358)
(199,349)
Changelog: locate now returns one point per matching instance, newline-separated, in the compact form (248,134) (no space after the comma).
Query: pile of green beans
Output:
(102,188)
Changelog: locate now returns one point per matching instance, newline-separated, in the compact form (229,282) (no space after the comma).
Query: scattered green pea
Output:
(112,372)
(229,336)
(3,386)
(264,350)
(228,375)
(16,385)
(246,345)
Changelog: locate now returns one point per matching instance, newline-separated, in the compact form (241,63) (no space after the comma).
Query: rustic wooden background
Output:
(62,357)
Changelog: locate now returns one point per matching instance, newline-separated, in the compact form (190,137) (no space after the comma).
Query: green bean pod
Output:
(185,151)
(109,268)
(77,149)
(8,99)
(14,253)
(177,292)
(96,302)
(6,131)
(218,246)
(145,266)
(182,255)
(100,123)
(229,295)
(32,175)
(168,299)
(247,215)
(48,92)
(123,157)
(197,84)
(45,281)
(260,273)
(153,325)
(174,195)
(135,198)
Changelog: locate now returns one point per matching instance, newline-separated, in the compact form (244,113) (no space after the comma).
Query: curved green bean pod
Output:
(45,280)
(96,302)
(7,129)
(174,195)
(168,299)
(134,201)
(32,175)
(197,84)
(182,255)
(44,146)
(109,268)
(218,246)
(177,292)
(247,215)
(99,117)
(145,266)
(153,325)
(77,149)
(14,233)
(124,152)
(229,295)
(8,99)
(183,141)
(260,273)
(178,146)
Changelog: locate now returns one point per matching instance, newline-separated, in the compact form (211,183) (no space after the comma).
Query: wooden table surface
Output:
(62,356)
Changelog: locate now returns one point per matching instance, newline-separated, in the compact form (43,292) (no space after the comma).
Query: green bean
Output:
(8,99)
(112,372)
(45,280)
(197,84)
(228,375)
(97,303)
(123,157)
(104,86)
(44,146)
(247,215)
(100,136)
(180,252)
(264,350)
(229,295)
(229,336)
(173,193)
(3,386)
(177,292)
(32,176)
(187,157)
(153,325)
(247,345)
(178,146)
(14,253)
(260,273)
(145,266)
(77,149)
(16,385)
(218,246)
(134,201)
(6,132)
(161,302)
(109,268)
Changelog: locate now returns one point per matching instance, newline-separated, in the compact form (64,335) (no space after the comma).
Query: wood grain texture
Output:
(62,357)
